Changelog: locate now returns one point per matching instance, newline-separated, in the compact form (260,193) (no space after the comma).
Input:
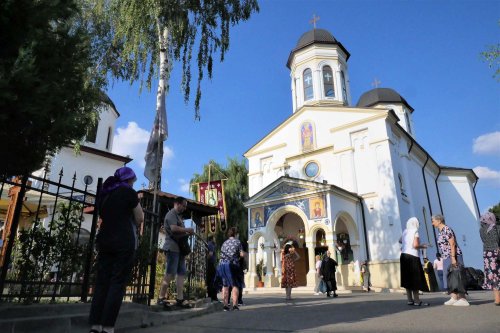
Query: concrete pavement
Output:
(351,312)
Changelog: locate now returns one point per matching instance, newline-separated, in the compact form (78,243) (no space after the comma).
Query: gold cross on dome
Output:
(376,83)
(314,20)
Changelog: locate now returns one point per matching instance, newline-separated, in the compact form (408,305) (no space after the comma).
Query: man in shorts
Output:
(176,263)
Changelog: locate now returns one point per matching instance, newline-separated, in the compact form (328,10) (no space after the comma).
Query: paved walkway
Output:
(356,312)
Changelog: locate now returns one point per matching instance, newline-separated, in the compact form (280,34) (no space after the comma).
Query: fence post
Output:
(90,250)
(13,233)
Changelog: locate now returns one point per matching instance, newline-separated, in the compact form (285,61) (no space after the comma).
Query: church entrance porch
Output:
(290,227)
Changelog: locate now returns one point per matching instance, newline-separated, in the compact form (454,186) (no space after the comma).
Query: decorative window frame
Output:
(305,167)
(321,67)
(304,84)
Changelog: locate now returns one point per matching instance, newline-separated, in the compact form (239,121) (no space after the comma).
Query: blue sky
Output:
(428,51)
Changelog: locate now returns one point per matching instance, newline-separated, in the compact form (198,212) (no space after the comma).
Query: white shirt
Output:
(438,264)
(407,242)
(318,266)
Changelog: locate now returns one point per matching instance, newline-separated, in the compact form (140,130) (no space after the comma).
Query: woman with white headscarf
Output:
(490,235)
(412,274)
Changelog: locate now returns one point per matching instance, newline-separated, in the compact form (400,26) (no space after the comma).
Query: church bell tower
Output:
(318,71)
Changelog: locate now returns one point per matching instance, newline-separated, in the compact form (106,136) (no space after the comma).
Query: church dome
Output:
(381,95)
(316,36)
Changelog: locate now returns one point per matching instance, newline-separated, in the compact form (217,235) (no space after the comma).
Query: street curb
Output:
(73,318)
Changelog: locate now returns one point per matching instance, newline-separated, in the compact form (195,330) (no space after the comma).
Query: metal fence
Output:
(48,252)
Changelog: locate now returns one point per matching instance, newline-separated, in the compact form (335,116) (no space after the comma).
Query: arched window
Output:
(92,133)
(407,121)
(344,87)
(108,140)
(308,85)
(401,185)
(328,81)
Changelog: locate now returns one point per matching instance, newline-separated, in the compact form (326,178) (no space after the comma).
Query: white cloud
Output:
(133,140)
(184,185)
(488,175)
(488,144)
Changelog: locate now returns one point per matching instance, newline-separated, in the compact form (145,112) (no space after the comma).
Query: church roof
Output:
(316,36)
(381,95)
(107,100)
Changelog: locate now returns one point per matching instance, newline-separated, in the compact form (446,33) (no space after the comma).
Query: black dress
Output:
(328,268)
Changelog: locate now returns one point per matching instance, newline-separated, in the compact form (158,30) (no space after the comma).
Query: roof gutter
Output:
(364,228)
(475,197)
(428,198)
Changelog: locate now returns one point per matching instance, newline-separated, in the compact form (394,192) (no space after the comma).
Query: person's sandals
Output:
(180,303)
(226,308)
(421,304)
(235,308)
(162,301)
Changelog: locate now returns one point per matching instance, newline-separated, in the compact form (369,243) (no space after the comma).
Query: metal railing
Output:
(48,252)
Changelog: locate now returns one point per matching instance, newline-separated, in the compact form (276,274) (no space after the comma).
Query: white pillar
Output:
(311,274)
(251,277)
(269,278)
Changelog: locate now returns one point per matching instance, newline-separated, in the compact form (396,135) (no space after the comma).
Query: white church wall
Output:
(383,223)
(106,124)
(417,196)
(82,164)
(460,214)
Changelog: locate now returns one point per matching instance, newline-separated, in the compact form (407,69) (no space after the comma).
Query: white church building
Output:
(94,160)
(345,177)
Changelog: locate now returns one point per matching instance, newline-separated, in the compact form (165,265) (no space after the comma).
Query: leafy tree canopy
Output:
(140,40)
(48,95)
(496,210)
(235,191)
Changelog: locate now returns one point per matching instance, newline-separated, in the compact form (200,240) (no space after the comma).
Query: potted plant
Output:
(259,268)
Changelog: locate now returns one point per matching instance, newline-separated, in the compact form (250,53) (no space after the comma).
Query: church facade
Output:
(346,177)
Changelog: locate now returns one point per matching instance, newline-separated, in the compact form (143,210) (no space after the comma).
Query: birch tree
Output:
(140,40)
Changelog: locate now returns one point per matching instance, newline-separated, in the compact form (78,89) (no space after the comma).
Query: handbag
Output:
(457,279)
(183,243)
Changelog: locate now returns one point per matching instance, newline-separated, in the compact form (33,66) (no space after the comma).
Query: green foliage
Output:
(496,210)
(128,36)
(38,250)
(492,57)
(235,191)
(259,269)
(48,95)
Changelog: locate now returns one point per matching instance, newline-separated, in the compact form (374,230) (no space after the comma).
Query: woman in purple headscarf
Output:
(490,235)
(121,214)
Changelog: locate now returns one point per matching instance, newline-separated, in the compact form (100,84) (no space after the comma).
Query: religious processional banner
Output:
(213,194)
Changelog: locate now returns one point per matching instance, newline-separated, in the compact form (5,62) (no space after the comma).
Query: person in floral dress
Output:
(490,235)
(451,254)
(288,277)
(229,272)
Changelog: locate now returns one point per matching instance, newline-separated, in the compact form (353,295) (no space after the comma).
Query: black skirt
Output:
(412,273)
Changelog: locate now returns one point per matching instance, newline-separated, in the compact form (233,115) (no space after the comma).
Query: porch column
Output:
(251,277)
(311,274)
(270,280)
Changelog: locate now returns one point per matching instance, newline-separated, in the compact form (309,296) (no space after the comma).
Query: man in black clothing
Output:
(328,268)
(211,260)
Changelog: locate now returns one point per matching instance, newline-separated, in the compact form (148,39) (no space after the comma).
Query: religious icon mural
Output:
(307,135)
(317,207)
(213,194)
(257,217)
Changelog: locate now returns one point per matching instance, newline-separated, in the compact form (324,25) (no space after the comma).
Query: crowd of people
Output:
(121,215)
